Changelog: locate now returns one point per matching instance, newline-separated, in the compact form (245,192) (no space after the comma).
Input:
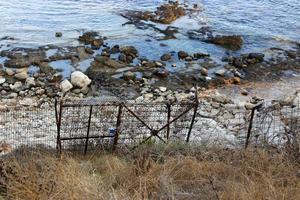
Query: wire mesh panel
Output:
(28,126)
(276,125)
(223,125)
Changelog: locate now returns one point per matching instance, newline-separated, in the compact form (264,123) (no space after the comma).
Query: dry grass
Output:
(164,173)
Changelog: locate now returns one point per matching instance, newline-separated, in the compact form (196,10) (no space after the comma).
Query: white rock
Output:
(16,87)
(30,81)
(65,86)
(80,80)
(22,75)
(2,80)
(9,72)
(148,95)
(162,89)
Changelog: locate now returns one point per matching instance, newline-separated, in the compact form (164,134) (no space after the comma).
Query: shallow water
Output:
(262,23)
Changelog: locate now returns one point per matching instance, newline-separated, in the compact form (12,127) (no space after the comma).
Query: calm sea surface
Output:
(262,23)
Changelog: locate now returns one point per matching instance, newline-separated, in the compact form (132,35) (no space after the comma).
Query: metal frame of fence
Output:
(84,124)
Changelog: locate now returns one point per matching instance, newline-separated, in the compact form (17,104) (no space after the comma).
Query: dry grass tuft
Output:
(153,174)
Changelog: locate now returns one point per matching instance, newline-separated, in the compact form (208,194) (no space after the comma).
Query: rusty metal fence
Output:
(91,125)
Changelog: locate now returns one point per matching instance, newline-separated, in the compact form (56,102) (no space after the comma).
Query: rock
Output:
(30,82)
(40,91)
(17,86)
(27,102)
(257,56)
(204,71)
(162,89)
(22,75)
(244,92)
(162,73)
(89,50)
(129,76)
(65,86)
(148,96)
(158,64)
(58,34)
(46,68)
(166,57)
(200,55)
(9,72)
(165,14)
(25,59)
(221,72)
(2,80)
(91,38)
(12,95)
(104,65)
(236,80)
(129,51)
(221,99)
(182,54)
(233,42)
(80,80)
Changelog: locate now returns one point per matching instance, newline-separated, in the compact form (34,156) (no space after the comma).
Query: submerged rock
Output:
(91,38)
(58,34)
(232,42)
(166,57)
(182,54)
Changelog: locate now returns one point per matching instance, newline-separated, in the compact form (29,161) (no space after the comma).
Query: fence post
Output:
(250,127)
(168,120)
(194,115)
(118,125)
(88,130)
(58,141)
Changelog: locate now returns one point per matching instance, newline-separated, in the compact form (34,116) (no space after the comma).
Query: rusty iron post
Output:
(250,127)
(59,127)
(194,115)
(192,123)
(118,126)
(168,120)
(88,130)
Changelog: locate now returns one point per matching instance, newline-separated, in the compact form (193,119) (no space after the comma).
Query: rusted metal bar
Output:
(88,130)
(84,137)
(142,121)
(58,140)
(168,120)
(153,133)
(192,123)
(176,118)
(250,127)
(118,125)
(194,115)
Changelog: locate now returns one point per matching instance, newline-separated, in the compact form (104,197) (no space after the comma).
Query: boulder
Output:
(204,71)
(58,34)
(80,80)
(182,54)
(65,86)
(231,42)
(166,57)
(30,82)
(257,56)
(2,80)
(129,76)
(22,75)
(17,86)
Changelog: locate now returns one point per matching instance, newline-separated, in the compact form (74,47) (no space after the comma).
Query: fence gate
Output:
(87,125)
